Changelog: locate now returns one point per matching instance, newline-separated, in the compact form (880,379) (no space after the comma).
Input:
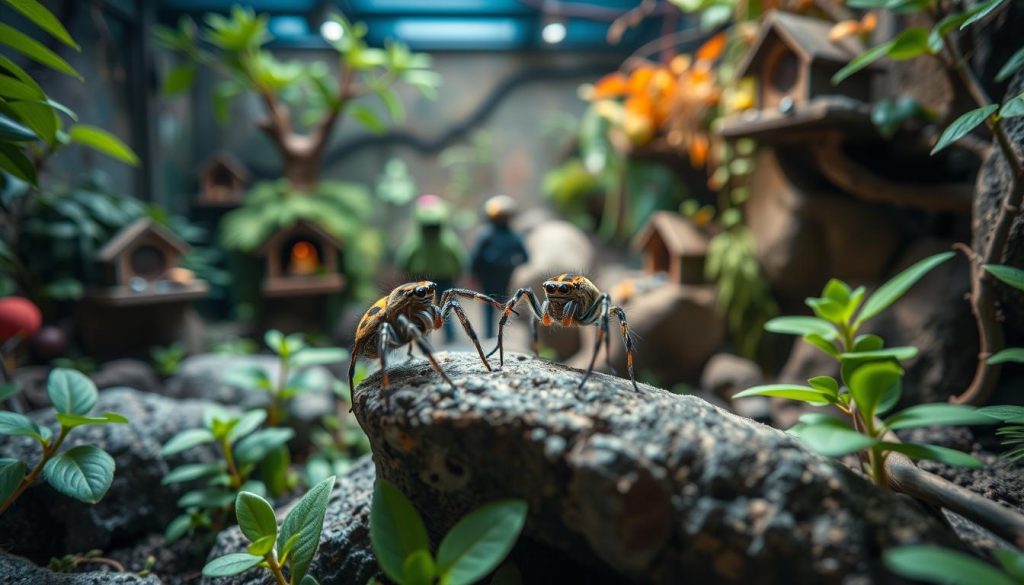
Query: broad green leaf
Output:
(898,353)
(924,415)
(179,79)
(1005,413)
(320,356)
(1012,65)
(274,340)
(12,88)
(911,43)
(306,520)
(186,440)
(836,291)
(1008,274)
(12,472)
(207,498)
(831,440)
(826,309)
(190,472)
(39,117)
(13,131)
(71,392)
(232,564)
(826,384)
(253,448)
(791,391)
(1014,108)
(369,119)
(964,125)
(822,344)
(801,326)
(1012,561)
(177,528)
(396,529)
(480,541)
(897,286)
(249,422)
(44,19)
(933,453)
(34,50)
(419,569)
(19,425)
(942,565)
(980,11)
(865,59)
(1012,354)
(868,342)
(77,420)
(103,141)
(309,580)
(937,38)
(13,161)
(262,545)
(870,383)
(255,517)
(392,103)
(82,472)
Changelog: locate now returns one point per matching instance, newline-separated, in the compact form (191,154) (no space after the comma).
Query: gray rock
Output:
(43,523)
(345,555)
(20,571)
(649,486)
(127,373)
(726,374)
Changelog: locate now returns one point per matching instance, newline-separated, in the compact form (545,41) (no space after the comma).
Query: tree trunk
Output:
(302,171)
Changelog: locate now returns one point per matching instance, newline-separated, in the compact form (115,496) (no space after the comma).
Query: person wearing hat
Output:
(496,253)
(432,251)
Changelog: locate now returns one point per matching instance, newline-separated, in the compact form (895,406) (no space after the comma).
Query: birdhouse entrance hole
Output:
(148,262)
(301,257)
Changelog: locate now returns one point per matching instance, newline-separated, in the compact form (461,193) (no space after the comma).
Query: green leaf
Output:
(71,392)
(1011,354)
(826,384)
(806,394)
(309,580)
(925,415)
(1014,108)
(871,383)
(822,344)
(207,498)
(478,543)
(39,117)
(13,161)
(1008,274)
(863,60)
(801,326)
(190,472)
(179,79)
(836,291)
(13,131)
(369,119)
(255,517)
(232,564)
(320,356)
(77,420)
(44,19)
(1012,561)
(867,343)
(12,472)
(262,545)
(186,440)
(1012,65)
(933,453)
(980,11)
(1004,412)
(12,88)
(392,103)
(897,286)
(275,341)
(249,422)
(964,125)
(8,389)
(255,447)
(911,43)
(306,520)
(827,309)
(942,565)
(419,569)
(898,353)
(177,528)
(396,529)
(82,472)
(103,141)
(830,439)
(19,425)
(34,50)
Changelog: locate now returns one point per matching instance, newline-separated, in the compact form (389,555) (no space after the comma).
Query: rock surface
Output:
(43,523)
(649,486)
(117,373)
(19,571)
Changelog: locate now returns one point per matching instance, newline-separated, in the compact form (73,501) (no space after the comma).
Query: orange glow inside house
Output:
(304,260)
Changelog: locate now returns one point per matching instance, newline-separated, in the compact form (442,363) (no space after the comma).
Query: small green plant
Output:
(934,564)
(871,379)
(83,472)
(168,359)
(236,346)
(1012,433)
(243,447)
(474,547)
(286,551)
(68,563)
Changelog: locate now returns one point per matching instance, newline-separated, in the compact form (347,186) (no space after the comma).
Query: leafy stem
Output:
(275,568)
(49,449)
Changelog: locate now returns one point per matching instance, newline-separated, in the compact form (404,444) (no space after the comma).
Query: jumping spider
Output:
(571,300)
(404,317)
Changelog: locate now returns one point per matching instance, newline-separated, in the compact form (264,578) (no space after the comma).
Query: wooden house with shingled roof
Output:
(301,260)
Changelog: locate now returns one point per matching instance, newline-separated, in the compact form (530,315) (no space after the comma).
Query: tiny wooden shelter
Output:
(222,180)
(671,244)
(301,260)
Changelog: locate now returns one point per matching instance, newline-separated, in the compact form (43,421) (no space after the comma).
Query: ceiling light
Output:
(553,33)
(331,31)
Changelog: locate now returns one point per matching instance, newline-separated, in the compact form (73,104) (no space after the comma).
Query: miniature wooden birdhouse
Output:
(222,181)
(143,260)
(301,260)
(794,61)
(671,244)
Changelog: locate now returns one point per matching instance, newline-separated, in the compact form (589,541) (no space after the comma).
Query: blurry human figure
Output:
(432,251)
(497,252)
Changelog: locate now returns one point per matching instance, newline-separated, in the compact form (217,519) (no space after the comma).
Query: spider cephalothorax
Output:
(405,317)
(571,300)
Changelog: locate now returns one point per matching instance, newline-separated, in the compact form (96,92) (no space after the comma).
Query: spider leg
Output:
(507,313)
(415,335)
(386,334)
(450,294)
(602,333)
(408,356)
(627,340)
(534,341)
(452,305)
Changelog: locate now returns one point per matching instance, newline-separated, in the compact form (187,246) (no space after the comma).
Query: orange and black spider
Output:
(571,300)
(404,317)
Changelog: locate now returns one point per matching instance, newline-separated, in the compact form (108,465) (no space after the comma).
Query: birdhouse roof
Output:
(132,233)
(229,162)
(681,237)
(806,35)
(299,227)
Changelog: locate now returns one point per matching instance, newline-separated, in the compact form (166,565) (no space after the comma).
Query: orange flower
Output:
(712,49)
(610,86)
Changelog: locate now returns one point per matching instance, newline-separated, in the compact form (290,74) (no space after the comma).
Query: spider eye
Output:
(421,291)
(564,288)
(550,287)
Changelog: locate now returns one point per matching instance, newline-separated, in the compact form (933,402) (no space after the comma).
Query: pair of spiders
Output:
(405,316)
